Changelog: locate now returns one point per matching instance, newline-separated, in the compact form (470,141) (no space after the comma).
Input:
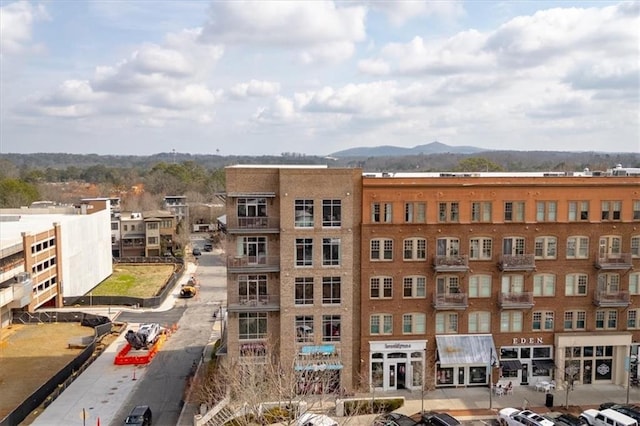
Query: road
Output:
(162,386)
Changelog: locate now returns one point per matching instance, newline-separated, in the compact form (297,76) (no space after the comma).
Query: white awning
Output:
(466,349)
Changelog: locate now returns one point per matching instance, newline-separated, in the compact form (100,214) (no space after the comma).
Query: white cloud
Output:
(281,110)
(16,24)
(400,12)
(375,67)
(255,88)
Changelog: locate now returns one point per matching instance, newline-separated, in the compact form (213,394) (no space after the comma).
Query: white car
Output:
(150,331)
(514,417)
(310,419)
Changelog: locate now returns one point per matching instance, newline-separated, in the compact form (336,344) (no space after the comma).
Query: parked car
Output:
(196,251)
(208,247)
(565,419)
(514,417)
(632,411)
(432,418)
(607,417)
(139,416)
(394,419)
(310,419)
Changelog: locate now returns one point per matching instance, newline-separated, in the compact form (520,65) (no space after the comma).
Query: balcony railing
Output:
(614,261)
(518,262)
(253,303)
(451,263)
(252,224)
(516,300)
(605,298)
(253,263)
(450,301)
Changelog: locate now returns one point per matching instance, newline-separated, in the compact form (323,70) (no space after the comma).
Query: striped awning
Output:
(511,365)
(466,349)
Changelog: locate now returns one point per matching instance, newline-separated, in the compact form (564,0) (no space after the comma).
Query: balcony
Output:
(611,299)
(254,303)
(253,264)
(450,301)
(17,294)
(248,225)
(451,263)
(621,261)
(516,300)
(517,262)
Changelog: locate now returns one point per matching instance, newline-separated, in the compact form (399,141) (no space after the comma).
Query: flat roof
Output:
(11,230)
(278,166)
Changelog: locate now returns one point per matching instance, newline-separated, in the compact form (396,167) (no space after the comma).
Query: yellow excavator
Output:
(189,289)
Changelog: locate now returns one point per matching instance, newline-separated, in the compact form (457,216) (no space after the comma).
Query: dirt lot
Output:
(29,354)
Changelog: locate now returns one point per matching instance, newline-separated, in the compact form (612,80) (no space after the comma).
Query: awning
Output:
(511,365)
(469,349)
(544,364)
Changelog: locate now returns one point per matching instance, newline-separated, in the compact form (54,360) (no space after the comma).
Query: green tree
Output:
(15,193)
(477,164)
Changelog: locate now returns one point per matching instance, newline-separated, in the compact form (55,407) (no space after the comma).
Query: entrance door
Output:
(524,378)
(586,371)
(392,376)
(402,374)
(461,376)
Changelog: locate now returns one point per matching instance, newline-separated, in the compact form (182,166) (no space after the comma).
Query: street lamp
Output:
(424,366)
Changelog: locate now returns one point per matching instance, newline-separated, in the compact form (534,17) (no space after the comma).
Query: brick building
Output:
(293,271)
(442,279)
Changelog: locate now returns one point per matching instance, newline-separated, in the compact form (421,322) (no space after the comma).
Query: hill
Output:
(394,151)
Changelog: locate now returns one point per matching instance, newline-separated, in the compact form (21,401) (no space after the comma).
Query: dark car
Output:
(196,251)
(208,247)
(394,419)
(139,416)
(565,419)
(432,418)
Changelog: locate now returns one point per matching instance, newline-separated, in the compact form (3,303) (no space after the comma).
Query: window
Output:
(606,320)
(512,284)
(252,207)
(546,211)
(331,252)
(331,213)
(251,287)
(413,323)
(331,328)
(578,211)
(447,284)
(480,286)
(481,248)
(381,249)
(635,246)
(544,285)
(510,321)
(114,226)
(153,225)
(542,321)
(575,284)
(609,283)
(303,213)
(513,246)
(577,247)
(632,319)
(610,247)
(381,287)
(304,328)
(446,323)
(381,324)
(415,249)
(448,247)
(448,212)
(414,287)
(381,213)
(575,320)
(546,247)
(331,290)
(610,210)
(481,211)
(636,209)
(415,212)
(304,291)
(252,325)
(152,240)
(479,322)
(634,283)
(253,248)
(514,211)
(304,252)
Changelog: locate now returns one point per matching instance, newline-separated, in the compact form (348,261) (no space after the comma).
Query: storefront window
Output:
(477,375)
(508,353)
(416,366)
(587,351)
(377,374)
(445,376)
(542,352)
(603,369)
(525,353)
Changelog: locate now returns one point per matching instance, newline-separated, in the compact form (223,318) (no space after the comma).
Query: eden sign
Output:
(527,341)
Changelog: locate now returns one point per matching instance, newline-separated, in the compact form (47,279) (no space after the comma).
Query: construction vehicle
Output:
(146,335)
(189,289)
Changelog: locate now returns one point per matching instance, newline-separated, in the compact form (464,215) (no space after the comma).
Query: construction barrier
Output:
(124,358)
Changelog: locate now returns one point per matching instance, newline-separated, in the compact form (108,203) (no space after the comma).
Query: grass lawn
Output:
(134,280)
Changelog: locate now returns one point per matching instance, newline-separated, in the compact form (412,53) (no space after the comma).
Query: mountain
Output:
(395,151)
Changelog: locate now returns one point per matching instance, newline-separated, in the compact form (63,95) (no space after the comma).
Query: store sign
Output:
(527,341)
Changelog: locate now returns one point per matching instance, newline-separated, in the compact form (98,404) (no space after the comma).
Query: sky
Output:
(233,77)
